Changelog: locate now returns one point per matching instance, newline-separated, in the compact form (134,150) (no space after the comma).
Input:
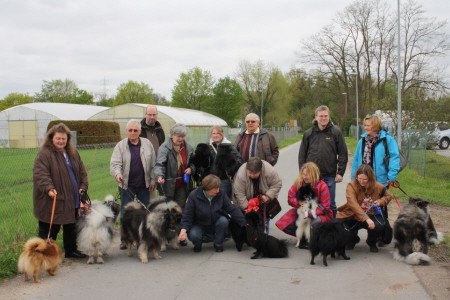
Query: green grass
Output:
(290,141)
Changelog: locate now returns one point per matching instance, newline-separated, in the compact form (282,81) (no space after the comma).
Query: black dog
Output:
(265,245)
(227,161)
(238,234)
(329,238)
(202,160)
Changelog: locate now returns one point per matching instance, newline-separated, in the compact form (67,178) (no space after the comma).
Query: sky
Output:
(100,44)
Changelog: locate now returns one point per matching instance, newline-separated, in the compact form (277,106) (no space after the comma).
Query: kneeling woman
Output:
(204,215)
(364,196)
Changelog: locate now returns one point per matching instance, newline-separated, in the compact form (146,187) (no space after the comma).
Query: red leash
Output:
(53,214)
(396,185)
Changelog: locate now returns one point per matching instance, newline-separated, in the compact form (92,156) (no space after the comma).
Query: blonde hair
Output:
(313,172)
(374,121)
(218,128)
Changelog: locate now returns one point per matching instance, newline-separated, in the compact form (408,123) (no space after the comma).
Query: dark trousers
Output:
(69,234)
(354,225)
(214,232)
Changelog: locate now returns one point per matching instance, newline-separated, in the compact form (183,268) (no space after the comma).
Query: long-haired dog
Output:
(39,255)
(238,234)
(307,200)
(175,211)
(96,229)
(265,245)
(202,160)
(149,229)
(413,231)
(226,163)
(329,238)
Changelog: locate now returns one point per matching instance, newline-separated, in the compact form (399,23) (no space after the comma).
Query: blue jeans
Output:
(127,196)
(330,181)
(214,232)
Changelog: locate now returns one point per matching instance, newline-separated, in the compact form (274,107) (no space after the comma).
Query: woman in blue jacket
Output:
(204,216)
(371,150)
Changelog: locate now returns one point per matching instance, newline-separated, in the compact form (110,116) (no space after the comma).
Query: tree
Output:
(193,89)
(227,100)
(13,99)
(160,99)
(134,92)
(59,91)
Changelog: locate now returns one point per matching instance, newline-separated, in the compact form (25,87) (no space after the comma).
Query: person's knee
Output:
(222,222)
(195,234)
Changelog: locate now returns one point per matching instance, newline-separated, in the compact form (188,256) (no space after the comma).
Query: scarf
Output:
(370,143)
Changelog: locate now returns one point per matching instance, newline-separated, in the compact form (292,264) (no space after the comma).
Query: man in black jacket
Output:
(324,145)
(151,128)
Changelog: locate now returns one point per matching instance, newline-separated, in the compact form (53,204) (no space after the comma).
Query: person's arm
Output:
(353,204)
(292,197)
(273,149)
(159,170)
(384,197)
(188,213)
(357,159)
(394,159)
(302,153)
(233,210)
(83,175)
(323,196)
(273,182)
(115,164)
(342,154)
(41,173)
(239,183)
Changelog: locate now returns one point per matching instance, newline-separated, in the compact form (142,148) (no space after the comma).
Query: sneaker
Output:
(75,254)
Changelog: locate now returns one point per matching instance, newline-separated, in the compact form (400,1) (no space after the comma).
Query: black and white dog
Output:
(413,231)
(96,229)
(307,200)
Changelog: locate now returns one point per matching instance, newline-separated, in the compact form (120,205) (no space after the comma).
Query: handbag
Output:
(403,159)
(272,208)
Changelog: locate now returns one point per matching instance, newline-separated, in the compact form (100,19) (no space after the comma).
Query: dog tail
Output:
(415,258)
(437,238)
(283,249)
(109,198)
(133,205)
(35,245)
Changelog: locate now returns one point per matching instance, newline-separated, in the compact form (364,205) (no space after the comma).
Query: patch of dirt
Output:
(435,277)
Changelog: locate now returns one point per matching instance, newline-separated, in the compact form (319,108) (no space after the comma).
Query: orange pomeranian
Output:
(39,255)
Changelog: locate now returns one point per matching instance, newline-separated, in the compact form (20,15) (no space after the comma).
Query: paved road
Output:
(443,152)
(183,274)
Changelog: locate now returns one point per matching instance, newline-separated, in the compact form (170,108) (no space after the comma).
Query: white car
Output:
(444,139)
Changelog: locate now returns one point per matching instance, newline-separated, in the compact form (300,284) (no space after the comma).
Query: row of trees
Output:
(357,47)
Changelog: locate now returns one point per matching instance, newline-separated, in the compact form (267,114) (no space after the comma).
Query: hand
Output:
(182,235)
(338,178)
(188,171)
(160,180)
(151,188)
(119,178)
(81,191)
(370,223)
(52,193)
(265,198)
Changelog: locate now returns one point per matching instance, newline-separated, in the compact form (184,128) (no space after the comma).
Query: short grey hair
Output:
(134,121)
(255,116)
(178,129)
(254,164)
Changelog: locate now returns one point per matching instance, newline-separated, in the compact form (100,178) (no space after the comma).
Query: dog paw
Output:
(163,248)
(100,260)
(90,260)
(144,261)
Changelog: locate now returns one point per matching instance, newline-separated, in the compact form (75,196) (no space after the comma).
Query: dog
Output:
(238,234)
(96,229)
(175,211)
(265,245)
(149,228)
(329,238)
(202,160)
(307,200)
(39,255)
(413,232)
(226,164)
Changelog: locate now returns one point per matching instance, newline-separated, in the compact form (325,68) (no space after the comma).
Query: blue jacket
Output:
(200,211)
(378,165)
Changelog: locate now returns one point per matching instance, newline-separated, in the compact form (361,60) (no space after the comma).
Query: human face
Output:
(323,118)
(305,176)
(133,133)
(369,129)
(216,136)
(177,140)
(363,180)
(253,174)
(151,116)
(251,123)
(213,192)
(60,141)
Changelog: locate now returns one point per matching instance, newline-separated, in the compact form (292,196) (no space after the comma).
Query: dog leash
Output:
(52,215)
(395,184)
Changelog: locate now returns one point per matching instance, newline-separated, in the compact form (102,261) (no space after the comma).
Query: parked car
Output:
(444,139)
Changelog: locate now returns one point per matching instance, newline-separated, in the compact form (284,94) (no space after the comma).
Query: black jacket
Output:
(157,128)
(326,148)
(200,211)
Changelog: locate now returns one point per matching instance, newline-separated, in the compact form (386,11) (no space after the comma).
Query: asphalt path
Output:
(183,274)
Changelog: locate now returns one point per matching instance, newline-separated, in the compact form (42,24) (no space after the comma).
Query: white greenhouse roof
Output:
(62,111)
(189,117)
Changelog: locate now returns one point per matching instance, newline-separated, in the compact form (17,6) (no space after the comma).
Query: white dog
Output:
(306,197)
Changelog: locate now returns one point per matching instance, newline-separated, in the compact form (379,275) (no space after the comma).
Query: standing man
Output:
(255,141)
(131,165)
(151,128)
(324,145)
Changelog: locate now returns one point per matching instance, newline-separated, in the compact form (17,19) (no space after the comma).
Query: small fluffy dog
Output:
(265,245)
(149,228)
(329,238)
(39,255)
(238,234)
(96,229)
(306,197)
(202,160)
(226,164)
(413,231)
(175,211)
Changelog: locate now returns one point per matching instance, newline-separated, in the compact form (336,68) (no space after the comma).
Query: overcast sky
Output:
(102,43)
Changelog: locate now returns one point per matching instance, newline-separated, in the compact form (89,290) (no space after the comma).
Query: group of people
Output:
(145,163)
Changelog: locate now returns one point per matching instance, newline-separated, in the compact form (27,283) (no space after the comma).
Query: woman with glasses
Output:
(256,141)
(131,165)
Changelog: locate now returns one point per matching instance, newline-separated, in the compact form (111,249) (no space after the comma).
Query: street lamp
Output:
(346,98)
(356,99)
(262,102)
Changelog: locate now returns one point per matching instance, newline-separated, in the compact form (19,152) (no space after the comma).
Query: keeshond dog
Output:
(96,229)
(413,232)
(175,212)
(150,227)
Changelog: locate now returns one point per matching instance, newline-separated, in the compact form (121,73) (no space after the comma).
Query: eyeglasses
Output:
(133,130)
(250,121)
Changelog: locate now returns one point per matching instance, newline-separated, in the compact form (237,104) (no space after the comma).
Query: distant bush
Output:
(92,132)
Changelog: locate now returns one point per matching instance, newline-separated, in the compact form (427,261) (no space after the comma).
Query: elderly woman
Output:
(371,150)
(364,197)
(171,164)
(59,172)
(204,215)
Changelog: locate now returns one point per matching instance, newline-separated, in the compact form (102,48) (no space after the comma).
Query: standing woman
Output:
(371,151)
(58,170)
(171,165)
(364,194)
